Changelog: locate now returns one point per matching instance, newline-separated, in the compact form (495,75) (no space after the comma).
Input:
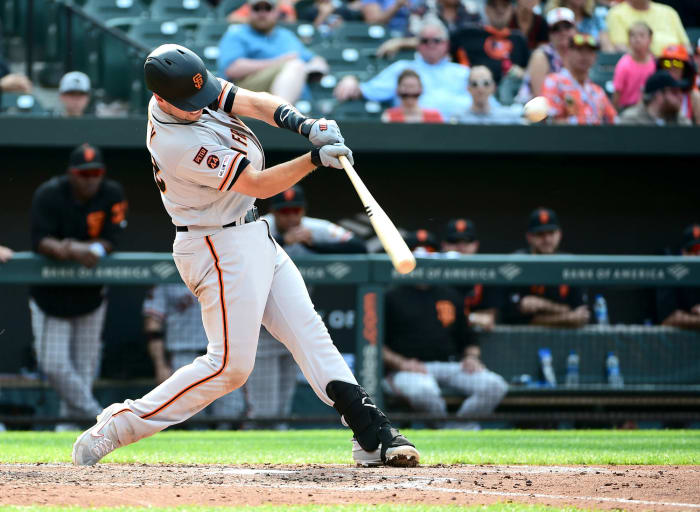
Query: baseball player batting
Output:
(210,167)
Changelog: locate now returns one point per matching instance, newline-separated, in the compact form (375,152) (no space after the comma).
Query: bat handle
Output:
(345,162)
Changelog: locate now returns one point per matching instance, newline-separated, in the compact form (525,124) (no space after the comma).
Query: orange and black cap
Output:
(86,156)
(422,238)
(290,198)
(460,230)
(543,219)
(179,76)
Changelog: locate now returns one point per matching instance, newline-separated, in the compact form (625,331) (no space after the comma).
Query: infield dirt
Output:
(604,487)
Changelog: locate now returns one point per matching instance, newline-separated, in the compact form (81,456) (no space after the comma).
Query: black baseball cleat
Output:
(394,450)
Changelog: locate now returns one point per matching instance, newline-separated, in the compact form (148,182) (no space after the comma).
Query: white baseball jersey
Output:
(196,163)
(322,231)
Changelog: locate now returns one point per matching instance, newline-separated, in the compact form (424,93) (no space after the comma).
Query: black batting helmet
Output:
(178,75)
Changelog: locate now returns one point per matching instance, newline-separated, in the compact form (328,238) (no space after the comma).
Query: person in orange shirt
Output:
(572,96)
(409,89)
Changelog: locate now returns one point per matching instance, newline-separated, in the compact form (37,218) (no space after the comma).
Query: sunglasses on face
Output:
(483,83)
(672,63)
(290,210)
(262,7)
(585,40)
(429,40)
(559,27)
(404,95)
(88,173)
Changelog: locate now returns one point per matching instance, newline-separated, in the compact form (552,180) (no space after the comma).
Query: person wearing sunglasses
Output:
(660,105)
(409,89)
(75,217)
(589,19)
(442,81)
(680,306)
(573,97)
(663,20)
(264,57)
(484,109)
(548,58)
(675,60)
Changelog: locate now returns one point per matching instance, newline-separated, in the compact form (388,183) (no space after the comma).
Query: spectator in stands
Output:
(680,307)
(261,56)
(481,304)
(662,19)
(481,87)
(271,384)
(573,97)
(660,105)
(676,61)
(443,81)
(548,58)
(589,20)
(696,59)
(633,69)
(532,25)
(392,13)
(176,337)
(326,12)
(13,82)
(493,44)
(76,217)
(5,254)
(428,345)
(554,306)
(455,15)
(74,93)
(409,89)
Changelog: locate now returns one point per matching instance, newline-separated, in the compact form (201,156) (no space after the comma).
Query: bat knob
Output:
(406,266)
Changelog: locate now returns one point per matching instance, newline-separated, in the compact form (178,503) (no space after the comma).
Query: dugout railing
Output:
(660,365)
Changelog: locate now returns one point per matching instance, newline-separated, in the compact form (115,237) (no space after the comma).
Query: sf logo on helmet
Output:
(198,80)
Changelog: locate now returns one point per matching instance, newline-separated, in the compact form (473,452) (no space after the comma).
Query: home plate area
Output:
(612,487)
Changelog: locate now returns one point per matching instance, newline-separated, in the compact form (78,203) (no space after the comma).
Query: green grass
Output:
(333,447)
(500,507)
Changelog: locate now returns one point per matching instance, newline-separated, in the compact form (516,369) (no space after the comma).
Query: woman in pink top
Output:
(633,69)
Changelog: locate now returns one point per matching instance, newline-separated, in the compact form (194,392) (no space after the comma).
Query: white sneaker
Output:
(364,458)
(402,455)
(98,441)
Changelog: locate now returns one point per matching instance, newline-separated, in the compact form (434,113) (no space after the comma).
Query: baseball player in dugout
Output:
(271,385)
(428,345)
(210,168)
(556,306)
(76,217)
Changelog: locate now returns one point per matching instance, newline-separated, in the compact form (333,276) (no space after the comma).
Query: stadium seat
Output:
(210,33)
(120,65)
(172,9)
(226,7)
(154,32)
(693,35)
(309,35)
(358,110)
(209,54)
(108,9)
(603,78)
(607,61)
(344,60)
(357,34)
(20,103)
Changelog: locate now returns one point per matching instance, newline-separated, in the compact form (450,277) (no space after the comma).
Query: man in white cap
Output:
(74,93)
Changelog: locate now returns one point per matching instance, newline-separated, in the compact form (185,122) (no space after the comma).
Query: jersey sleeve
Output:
(212,166)
(155,303)
(226,97)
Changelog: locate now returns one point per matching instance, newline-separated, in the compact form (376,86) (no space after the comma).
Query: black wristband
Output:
(155,335)
(288,117)
(316,157)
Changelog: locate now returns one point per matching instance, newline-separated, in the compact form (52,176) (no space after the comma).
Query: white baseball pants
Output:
(242,279)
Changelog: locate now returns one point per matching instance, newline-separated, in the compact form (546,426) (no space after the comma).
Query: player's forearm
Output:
(55,248)
(156,349)
(558,320)
(273,180)
(391,359)
(258,105)
(683,320)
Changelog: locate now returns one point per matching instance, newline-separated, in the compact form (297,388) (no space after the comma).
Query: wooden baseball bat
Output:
(394,245)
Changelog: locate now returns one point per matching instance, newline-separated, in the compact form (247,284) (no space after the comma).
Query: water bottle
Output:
(572,369)
(549,378)
(612,370)
(600,308)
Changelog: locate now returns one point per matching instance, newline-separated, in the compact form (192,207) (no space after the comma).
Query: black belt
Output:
(251,216)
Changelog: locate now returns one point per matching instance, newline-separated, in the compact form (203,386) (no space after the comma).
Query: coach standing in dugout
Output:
(554,306)
(75,217)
